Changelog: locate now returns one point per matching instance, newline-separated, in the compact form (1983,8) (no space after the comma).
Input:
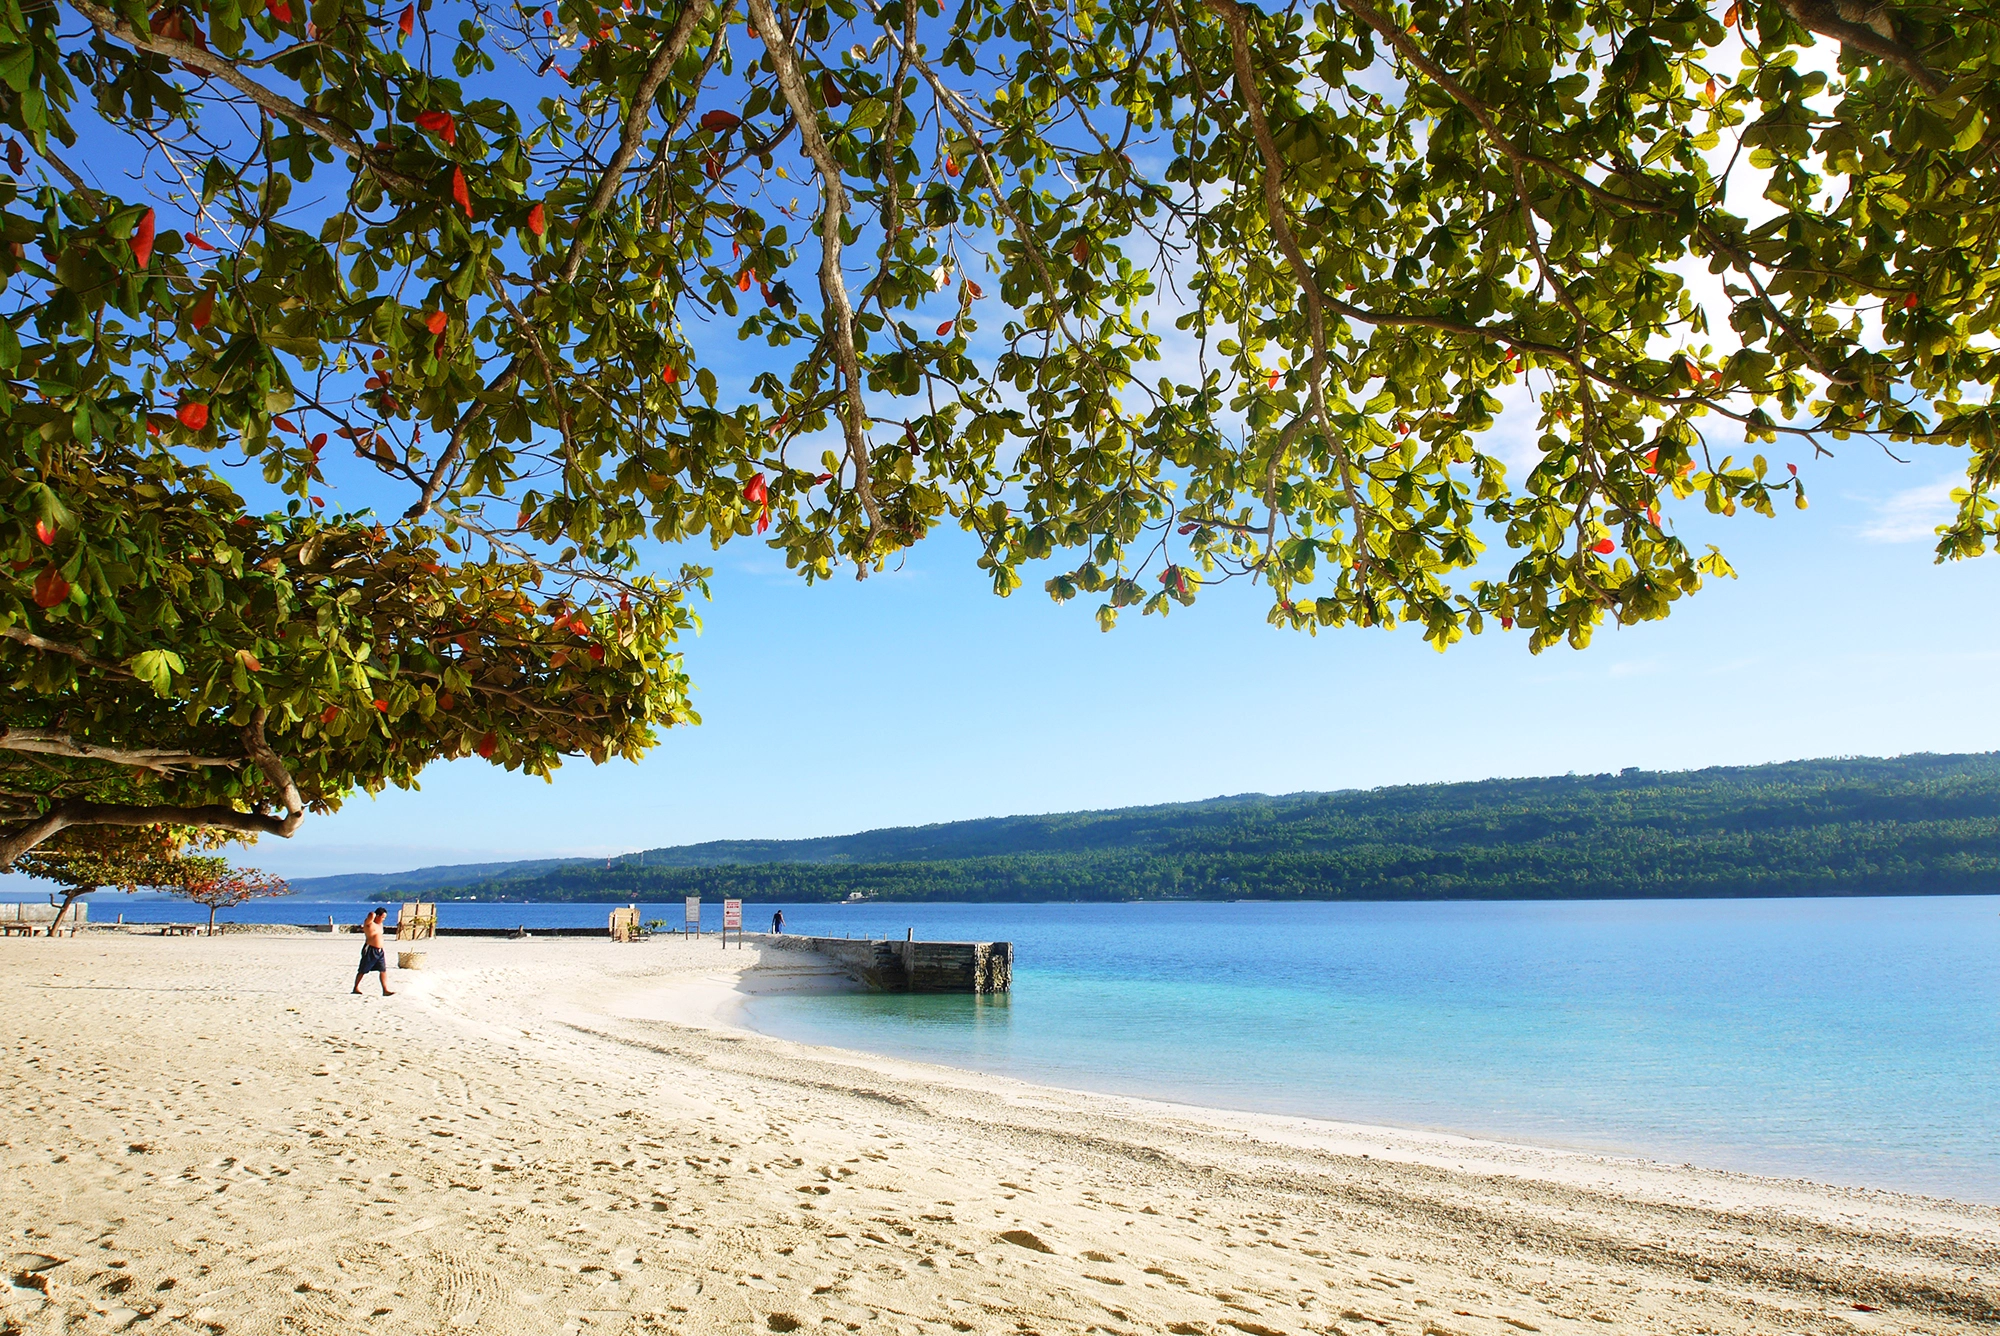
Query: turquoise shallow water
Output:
(1849,1041)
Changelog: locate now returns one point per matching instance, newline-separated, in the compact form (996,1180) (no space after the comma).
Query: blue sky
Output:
(917,696)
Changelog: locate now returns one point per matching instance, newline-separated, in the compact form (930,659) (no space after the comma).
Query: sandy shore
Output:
(209,1135)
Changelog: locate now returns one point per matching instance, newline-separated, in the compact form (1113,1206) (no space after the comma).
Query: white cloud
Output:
(1911,515)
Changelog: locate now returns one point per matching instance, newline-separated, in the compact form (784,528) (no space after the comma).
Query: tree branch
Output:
(1825,19)
(214,816)
(274,770)
(207,62)
(832,283)
(64,815)
(1237,22)
(33,641)
(637,117)
(49,742)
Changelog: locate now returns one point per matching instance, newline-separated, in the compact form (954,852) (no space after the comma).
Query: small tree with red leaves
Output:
(226,887)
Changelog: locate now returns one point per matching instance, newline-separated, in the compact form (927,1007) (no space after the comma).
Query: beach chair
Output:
(625,924)
(427,920)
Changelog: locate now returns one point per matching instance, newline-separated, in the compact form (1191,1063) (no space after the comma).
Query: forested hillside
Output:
(1910,825)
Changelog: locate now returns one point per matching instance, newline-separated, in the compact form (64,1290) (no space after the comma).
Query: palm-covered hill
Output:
(1909,825)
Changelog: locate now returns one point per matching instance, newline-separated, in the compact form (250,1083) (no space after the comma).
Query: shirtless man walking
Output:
(372,956)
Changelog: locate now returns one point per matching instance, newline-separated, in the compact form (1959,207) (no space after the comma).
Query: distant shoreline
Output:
(1912,825)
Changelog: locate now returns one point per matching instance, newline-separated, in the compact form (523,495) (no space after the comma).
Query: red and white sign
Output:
(732,914)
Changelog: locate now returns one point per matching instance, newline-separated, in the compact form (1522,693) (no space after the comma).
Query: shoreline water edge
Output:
(574,1135)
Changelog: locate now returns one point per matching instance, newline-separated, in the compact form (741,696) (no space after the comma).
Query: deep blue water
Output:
(1844,1040)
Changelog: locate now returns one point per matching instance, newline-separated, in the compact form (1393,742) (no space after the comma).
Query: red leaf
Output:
(668,374)
(756,492)
(440,124)
(142,240)
(950,166)
(198,243)
(1794,468)
(1604,545)
(383,706)
(317,500)
(280,10)
(283,423)
(50,588)
(537,220)
(460,193)
(944,329)
(318,444)
(720,122)
(972,290)
(1652,461)
(486,746)
(437,322)
(1910,302)
(445,700)
(329,714)
(597,653)
(1506,623)
(44,532)
(408,23)
(824,478)
(193,416)
(745,279)
(1081,250)
(204,310)
(1271,380)
(548,19)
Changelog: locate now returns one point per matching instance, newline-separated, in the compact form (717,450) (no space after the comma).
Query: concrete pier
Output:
(911,967)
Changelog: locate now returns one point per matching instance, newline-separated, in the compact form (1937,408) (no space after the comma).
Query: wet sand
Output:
(209,1135)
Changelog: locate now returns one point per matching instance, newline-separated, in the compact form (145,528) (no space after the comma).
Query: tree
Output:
(214,884)
(94,858)
(205,666)
(1669,237)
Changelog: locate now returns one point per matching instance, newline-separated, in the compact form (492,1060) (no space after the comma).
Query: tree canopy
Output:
(214,885)
(94,858)
(1143,297)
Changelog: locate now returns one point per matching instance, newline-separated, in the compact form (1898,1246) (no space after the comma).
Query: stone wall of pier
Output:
(911,967)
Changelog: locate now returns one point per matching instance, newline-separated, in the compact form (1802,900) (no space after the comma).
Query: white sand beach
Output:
(212,1135)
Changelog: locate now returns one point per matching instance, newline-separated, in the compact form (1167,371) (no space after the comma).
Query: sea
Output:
(1848,1041)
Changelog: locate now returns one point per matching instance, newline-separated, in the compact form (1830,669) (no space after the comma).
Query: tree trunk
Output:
(68,899)
(211,920)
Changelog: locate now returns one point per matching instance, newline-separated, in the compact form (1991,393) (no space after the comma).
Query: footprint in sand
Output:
(1022,1238)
